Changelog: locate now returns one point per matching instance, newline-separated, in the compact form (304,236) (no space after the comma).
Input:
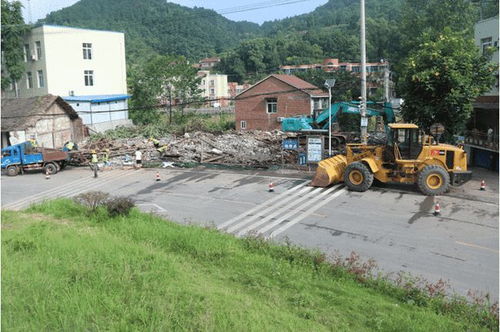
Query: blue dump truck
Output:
(24,156)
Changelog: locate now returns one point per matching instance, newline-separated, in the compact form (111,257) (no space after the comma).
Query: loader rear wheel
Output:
(358,177)
(433,180)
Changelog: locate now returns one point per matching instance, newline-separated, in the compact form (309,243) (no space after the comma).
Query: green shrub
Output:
(119,206)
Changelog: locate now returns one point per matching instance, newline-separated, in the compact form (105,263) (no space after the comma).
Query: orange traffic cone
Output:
(271,187)
(437,209)
(483,185)
(47,174)
(158,176)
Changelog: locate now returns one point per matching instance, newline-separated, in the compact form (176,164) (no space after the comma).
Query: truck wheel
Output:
(358,177)
(433,180)
(12,170)
(51,168)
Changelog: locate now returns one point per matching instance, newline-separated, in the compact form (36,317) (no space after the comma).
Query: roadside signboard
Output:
(290,144)
(314,149)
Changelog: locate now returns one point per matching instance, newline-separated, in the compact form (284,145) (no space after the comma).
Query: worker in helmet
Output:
(105,157)
(155,142)
(69,146)
(94,162)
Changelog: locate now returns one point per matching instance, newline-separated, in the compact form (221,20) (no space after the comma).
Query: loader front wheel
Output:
(357,177)
(433,180)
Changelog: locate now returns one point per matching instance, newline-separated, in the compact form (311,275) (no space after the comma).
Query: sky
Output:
(37,9)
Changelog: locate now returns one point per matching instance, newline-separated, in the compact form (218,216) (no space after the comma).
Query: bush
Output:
(91,199)
(119,206)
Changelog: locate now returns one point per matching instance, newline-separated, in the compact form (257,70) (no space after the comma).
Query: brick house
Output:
(262,106)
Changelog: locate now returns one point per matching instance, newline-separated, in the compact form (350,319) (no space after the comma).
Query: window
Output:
(343,67)
(89,77)
(243,124)
(212,82)
(317,104)
(355,69)
(272,105)
(38,50)
(41,81)
(29,80)
(485,43)
(26,52)
(212,91)
(87,51)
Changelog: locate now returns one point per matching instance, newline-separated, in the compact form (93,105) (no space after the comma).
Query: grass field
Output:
(65,270)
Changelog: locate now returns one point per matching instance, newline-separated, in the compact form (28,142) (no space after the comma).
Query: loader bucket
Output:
(329,171)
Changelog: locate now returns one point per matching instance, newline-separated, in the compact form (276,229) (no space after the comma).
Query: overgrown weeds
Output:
(180,124)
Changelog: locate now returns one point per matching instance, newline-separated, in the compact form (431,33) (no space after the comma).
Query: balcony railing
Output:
(482,139)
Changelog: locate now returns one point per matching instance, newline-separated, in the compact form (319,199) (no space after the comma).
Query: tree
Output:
(161,79)
(13,30)
(441,79)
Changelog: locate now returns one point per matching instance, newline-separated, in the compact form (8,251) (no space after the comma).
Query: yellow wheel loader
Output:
(408,156)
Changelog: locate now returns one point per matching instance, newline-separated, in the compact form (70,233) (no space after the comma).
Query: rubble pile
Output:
(252,148)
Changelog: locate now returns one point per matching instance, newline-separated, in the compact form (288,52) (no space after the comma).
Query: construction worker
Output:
(69,146)
(105,157)
(33,142)
(94,162)
(155,142)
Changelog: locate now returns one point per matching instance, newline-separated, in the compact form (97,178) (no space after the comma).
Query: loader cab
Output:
(405,140)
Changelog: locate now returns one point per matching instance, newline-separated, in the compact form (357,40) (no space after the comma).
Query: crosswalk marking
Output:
(279,205)
(259,207)
(298,209)
(306,213)
(286,209)
(69,189)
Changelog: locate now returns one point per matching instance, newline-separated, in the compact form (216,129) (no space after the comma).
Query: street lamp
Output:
(329,84)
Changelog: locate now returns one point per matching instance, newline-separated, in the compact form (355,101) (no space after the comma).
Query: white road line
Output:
(305,214)
(153,204)
(298,209)
(270,208)
(67,192)
(284,208)
(259,207)
(56,189)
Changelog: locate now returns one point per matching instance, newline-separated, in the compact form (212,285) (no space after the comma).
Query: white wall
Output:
(63,64)
(484,29)
(104,108)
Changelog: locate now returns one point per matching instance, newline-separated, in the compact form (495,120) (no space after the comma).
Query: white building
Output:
(215,88)
(486,36)
(85,67)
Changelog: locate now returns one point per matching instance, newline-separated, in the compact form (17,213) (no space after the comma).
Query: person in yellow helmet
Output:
(94,162)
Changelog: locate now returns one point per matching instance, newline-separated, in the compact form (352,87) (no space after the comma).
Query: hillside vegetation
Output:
(157,26)
(66,269)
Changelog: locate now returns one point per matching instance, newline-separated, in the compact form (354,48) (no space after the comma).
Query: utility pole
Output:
(364,119)
(387,97)
(170,103)
(329,84)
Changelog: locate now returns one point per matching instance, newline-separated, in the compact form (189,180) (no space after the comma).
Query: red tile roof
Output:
(301,85)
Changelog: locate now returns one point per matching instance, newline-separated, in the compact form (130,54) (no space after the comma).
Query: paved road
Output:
(393,225)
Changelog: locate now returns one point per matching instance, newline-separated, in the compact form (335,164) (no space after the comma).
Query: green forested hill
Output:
(155,26)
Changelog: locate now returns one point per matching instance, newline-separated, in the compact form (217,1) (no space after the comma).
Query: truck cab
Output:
(19,157)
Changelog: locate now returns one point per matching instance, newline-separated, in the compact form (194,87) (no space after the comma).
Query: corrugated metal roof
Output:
(96,98)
